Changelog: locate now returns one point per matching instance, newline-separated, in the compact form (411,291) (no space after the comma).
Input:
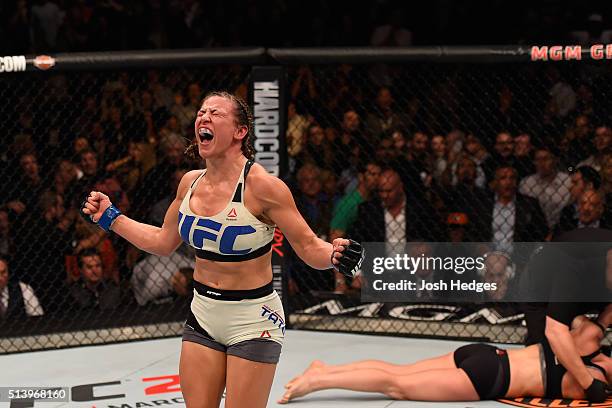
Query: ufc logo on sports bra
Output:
(211,233)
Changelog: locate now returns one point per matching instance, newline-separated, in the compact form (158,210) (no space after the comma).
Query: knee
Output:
(192,396)
(395,389)
(195,403)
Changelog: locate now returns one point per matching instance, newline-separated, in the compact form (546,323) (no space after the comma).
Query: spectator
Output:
(583,179)
(350,141)
(98,141)
(31,182)
(424,273)
(400,144)
(6,240)
(183,113)
(316,209)
(172,128)
(89,237)
(586,103)
(66,175)
(44,227)
(467,198)
(89,113)
(131,170)
(318,150)
(383,118)
(162,94)
(96,180)
(80,145)
(150,190)
(602,142)
(118,130)
(297,125)
(438,149)
(523,155)
(414,167)
(562,96)
(457,224)
(455,141)
(500,271)
(606,176)
(479,155)
(158,211)
(503,155)
(510,216)
(341,95)
(93,290)
(548,185)
(152,116)
(506,115)
(304,89)
(153,277)
(194,98)
(391,217)
(88,165)
(182,282)
(329,187)
(418,151)
(385,151)
(110,186)
(576,143)
(17,299)
(590,213)
(591,210)
(345,211)
(310,200)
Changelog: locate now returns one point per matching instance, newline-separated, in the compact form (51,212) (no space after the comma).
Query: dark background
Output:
(34,26)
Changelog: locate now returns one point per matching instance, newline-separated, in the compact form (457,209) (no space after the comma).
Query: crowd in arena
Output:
(367,159)
(49,26)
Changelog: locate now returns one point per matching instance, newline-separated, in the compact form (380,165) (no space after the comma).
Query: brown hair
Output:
(244,117)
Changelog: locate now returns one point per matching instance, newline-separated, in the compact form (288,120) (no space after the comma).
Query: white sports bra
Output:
(232,235)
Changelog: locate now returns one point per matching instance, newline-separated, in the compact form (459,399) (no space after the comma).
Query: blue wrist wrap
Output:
(107,218)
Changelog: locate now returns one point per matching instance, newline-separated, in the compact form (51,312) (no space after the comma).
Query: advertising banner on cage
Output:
(267,99)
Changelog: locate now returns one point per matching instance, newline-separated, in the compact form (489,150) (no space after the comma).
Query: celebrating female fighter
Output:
(234,332)
(473,372)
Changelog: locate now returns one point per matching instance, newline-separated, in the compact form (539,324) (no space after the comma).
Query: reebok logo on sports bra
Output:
(233,234)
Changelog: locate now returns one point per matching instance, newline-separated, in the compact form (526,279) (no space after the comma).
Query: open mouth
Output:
(205,135)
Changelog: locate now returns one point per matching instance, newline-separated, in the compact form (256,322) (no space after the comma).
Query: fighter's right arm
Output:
(155,240)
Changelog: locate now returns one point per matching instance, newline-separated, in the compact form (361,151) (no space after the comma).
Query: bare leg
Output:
(436,363)
(248,383)
(432,385)
(202,374)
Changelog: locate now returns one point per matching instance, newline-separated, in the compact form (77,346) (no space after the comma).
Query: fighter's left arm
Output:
(562,343)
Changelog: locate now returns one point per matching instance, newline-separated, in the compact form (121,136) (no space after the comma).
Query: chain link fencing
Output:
(443,152)
(359,139)
(121,132)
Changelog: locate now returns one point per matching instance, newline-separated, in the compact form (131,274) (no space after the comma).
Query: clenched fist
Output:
(98,209)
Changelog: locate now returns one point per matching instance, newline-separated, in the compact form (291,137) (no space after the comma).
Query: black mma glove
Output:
(597,391)
(86,217)
(350,261)
(106,219)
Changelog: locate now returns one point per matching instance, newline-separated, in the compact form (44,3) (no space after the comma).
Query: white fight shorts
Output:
(249,324)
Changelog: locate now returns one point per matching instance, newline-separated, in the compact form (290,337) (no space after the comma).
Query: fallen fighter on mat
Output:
(473,372)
